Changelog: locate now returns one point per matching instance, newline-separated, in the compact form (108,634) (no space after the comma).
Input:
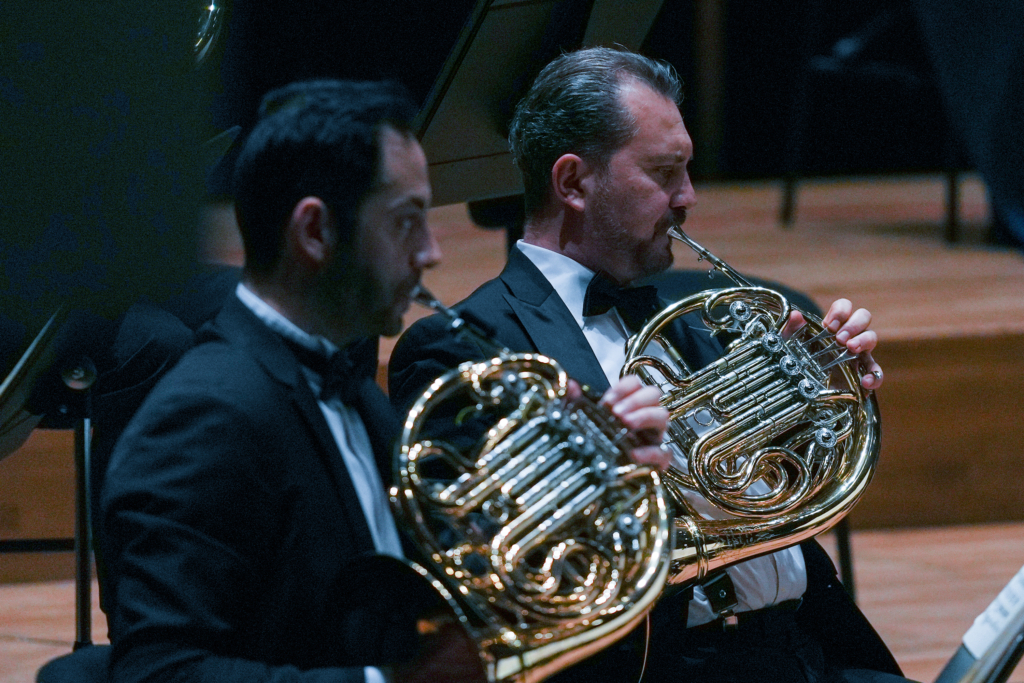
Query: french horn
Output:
(546,541)
(778,434)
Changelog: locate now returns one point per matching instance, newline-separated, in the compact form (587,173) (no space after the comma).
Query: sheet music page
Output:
(990,623)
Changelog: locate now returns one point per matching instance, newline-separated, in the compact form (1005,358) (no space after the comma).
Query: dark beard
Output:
(356,296)
(654,260)
(377,309)
(657,261)
(646,257)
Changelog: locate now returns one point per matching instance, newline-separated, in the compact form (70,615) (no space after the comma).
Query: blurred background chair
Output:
(884,54)
(85,665)
(88,373)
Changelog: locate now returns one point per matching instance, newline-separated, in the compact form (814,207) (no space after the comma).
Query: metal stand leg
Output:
(952,205)
(80,378)
(842,530)
(83,537)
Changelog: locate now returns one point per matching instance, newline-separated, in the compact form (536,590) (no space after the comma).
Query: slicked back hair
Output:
(313,138)
(573,107)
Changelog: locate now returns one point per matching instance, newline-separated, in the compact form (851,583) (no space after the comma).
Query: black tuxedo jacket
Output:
(528,315)
(232,531)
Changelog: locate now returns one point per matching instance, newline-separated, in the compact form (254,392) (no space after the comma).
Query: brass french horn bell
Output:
(549,541)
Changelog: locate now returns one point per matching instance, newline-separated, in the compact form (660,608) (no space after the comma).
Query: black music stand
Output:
(994,644)
(78,374)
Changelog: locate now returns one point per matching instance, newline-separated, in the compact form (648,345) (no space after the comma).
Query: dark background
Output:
(104,120)
(880,114)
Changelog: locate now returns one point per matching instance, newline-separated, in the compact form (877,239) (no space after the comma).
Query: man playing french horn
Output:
(603,152)
(248,491)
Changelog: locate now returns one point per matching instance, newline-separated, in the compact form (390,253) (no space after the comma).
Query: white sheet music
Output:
(990,623)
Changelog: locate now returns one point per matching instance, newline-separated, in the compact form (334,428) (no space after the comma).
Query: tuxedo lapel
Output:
(548,323)
(382,426)
(308,408)
(240,326)
(379,418)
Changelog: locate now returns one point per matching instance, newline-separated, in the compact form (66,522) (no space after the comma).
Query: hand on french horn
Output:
(638,407)
(851,328)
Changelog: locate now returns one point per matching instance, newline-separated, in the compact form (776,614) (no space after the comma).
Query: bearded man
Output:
(603,151)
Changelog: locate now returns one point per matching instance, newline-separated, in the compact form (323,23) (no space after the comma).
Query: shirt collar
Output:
(568,278)
(282,325)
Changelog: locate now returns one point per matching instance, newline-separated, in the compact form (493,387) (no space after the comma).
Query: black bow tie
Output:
(634,304)
(338,376)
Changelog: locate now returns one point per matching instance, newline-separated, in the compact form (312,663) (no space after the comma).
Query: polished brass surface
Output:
(777,434)
(211,20)
(549,541)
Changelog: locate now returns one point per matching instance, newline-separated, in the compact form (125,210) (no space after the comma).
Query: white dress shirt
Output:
(350,435)
(759,582)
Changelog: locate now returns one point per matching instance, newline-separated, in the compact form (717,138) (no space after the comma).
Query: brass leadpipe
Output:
(703,254)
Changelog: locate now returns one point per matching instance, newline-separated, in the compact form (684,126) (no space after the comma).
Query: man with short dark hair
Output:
(604,152)
(247,489)
(245,485)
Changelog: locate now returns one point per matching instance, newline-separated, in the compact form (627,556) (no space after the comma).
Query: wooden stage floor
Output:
(921,588)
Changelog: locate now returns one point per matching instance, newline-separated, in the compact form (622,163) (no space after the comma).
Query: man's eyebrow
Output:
(415,201)
(673,158)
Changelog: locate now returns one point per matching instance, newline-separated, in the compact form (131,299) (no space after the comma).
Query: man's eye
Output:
(407,224)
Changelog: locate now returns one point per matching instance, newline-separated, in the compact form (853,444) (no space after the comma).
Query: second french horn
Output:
(778,434)
(547,542)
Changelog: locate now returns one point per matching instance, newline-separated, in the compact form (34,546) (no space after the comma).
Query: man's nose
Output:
(429,253)
(684,196)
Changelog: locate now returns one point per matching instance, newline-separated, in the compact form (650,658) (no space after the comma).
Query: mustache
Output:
(679,216)
(412,285)
(674,219)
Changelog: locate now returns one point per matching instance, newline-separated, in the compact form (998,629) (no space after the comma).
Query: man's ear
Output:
(310,232)
(572,180)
